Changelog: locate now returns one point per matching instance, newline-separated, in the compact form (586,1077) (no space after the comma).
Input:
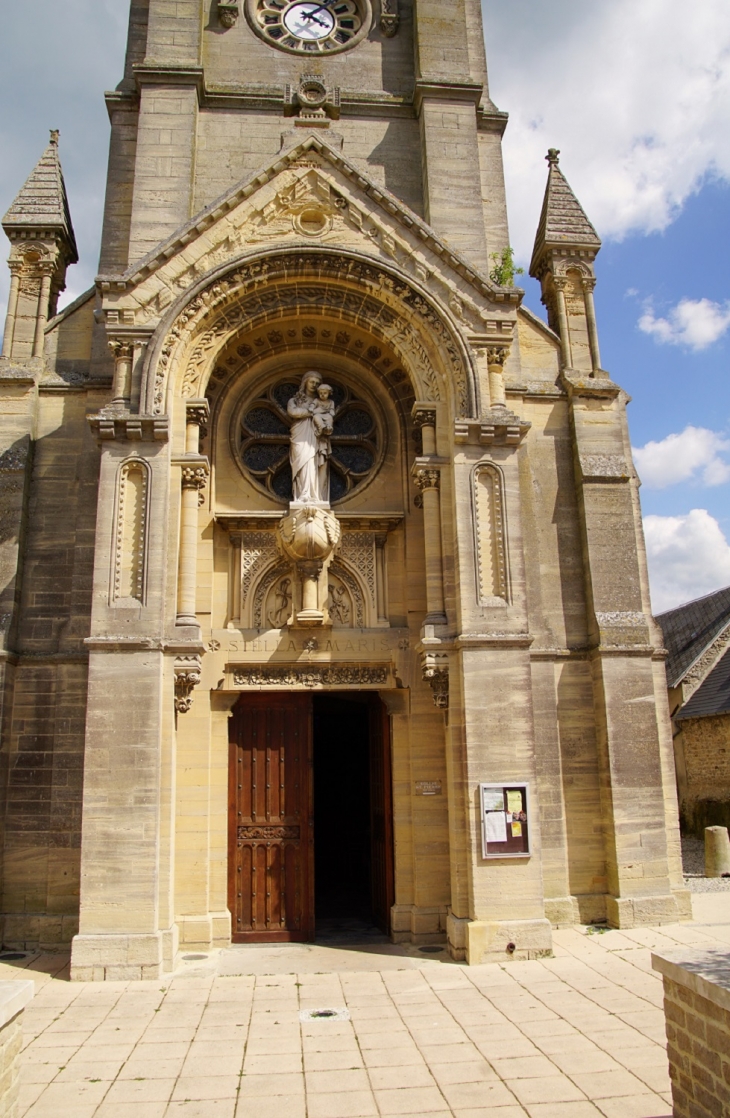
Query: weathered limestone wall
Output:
(44,741)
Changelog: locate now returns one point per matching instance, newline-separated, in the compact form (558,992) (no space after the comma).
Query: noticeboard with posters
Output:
(505,810)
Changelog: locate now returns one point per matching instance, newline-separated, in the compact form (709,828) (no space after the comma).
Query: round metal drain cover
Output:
(431,949)
(194,958)
(324,1014)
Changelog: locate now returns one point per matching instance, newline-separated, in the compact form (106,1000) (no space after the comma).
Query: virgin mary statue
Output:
(307,454)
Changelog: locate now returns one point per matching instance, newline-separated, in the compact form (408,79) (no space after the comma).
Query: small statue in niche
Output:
(313,413)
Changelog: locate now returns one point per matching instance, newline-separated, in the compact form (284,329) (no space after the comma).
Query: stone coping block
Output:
(14,996)
(706,973)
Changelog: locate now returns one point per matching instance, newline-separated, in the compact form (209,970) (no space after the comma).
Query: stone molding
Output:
(311,676)
(109,424)
(500,428)
(604,467)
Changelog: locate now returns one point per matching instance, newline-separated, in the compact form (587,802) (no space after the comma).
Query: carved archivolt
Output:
(130,532)
(320,282)
(490,534)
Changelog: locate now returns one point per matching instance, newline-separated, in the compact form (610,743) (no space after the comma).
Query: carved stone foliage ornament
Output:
(228,12)
(308,536)
(389,17)
(311,676)
(187,676)
(435,669)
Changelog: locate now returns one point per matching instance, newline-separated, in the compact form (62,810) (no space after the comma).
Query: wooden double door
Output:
(307,770)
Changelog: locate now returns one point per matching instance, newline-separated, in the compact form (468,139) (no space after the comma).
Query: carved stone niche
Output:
(228,12)
(309,536)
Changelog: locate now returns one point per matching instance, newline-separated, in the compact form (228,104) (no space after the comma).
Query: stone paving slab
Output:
(580,1035)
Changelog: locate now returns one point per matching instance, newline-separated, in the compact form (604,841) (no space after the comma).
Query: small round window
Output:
(264,440)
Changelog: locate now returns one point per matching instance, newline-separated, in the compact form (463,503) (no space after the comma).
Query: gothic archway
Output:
(349,287)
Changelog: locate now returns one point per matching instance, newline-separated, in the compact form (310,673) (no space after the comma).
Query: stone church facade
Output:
(438,700)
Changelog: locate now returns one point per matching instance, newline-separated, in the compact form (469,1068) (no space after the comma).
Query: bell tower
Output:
(211,90)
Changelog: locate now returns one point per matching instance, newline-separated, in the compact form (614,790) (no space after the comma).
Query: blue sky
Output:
(636,96)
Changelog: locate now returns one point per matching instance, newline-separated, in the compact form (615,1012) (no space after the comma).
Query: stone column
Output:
(427,477)
(496,357)
(236,539)
(428,481)
(560,284)
(588,287)
(12,309)
(42,315)
(122,387)
(194,478)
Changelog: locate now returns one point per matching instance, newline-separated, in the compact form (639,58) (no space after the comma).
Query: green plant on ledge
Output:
(504,271)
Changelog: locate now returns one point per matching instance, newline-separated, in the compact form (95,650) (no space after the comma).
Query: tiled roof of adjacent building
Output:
(690,629)
(42,202)
(713,696)
(563,220)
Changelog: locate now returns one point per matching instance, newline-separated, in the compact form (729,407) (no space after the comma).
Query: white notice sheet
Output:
(496,826)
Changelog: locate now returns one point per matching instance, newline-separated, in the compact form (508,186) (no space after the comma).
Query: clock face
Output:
(319,27)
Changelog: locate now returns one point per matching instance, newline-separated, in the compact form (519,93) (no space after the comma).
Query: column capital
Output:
(198,412)
(195,476)
(426,477)
(423,415)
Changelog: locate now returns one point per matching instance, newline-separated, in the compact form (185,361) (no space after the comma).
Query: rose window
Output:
(264,441)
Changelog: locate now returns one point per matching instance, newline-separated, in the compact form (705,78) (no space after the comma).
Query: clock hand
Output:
(311,16)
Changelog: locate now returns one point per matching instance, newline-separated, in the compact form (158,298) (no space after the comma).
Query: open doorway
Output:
(311,828)
(353,816)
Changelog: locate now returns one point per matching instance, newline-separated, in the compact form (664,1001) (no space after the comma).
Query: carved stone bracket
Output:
(435,669)
(109,424)
(309,537)
(228,12)
(311,100)
(389,17)
(187,676)
(502,427)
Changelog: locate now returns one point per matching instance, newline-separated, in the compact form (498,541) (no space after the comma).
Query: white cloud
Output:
(688,557)
(637,97)
(691,454)
(694,323)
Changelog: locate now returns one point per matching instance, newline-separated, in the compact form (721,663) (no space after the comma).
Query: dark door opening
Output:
(342,825)
(353,852)
(311,831)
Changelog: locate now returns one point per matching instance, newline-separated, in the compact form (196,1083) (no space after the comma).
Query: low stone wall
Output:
(14,996)
(697,1013)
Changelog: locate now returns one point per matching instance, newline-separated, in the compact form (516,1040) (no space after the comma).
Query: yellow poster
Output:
(516,830)
(514,802)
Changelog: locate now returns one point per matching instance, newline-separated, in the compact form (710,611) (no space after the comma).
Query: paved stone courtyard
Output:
(580,1035)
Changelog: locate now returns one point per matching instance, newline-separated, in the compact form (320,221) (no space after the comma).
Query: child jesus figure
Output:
(323,417)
